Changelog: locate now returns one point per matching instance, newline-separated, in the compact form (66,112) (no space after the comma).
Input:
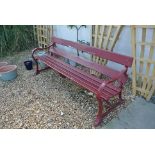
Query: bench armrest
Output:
(122,73)
(38,49)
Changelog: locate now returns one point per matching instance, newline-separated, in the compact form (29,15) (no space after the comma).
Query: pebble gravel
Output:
(48,101)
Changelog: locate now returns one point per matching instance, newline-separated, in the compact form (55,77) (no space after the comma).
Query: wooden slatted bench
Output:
(103,89)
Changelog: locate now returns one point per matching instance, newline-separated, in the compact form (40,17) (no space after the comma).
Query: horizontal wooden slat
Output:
(102,69)
(118,58)
(100,36)
(146,76)
(71,75)
(146,60)
(144,26)
(79,76)
(146,43)
(79,73)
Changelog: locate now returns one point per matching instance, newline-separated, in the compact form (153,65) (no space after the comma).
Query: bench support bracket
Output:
(103,111)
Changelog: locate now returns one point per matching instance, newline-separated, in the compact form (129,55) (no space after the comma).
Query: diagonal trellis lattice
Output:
(104,37)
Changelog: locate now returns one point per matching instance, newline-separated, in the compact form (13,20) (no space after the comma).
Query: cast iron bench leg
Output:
(121,100)
(120,97)
(62,75)
(99,113)
(37,67)
(39,70)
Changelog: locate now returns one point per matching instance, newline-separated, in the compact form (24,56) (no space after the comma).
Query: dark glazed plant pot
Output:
(28,65)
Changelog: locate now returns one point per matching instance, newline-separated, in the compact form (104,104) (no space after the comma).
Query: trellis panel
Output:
(143,77)
(104,37)
(43,34)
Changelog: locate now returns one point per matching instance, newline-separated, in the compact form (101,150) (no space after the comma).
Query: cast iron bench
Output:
(103,89)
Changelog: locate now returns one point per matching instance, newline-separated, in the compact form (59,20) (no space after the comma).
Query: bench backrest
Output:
(118,58)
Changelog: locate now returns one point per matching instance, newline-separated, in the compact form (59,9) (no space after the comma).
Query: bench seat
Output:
(88,81)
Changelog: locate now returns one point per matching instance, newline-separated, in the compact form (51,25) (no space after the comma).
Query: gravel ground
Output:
(47,100)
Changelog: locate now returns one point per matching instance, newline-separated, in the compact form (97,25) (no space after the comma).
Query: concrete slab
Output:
(138,115)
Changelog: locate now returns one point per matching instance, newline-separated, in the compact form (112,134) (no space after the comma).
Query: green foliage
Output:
(15,38)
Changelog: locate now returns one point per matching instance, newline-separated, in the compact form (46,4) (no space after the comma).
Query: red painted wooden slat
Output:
(81,74)
(111,86)
(118,58)
(88,76)
(77,73)
(100,68)
(72,76)
(109,90)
